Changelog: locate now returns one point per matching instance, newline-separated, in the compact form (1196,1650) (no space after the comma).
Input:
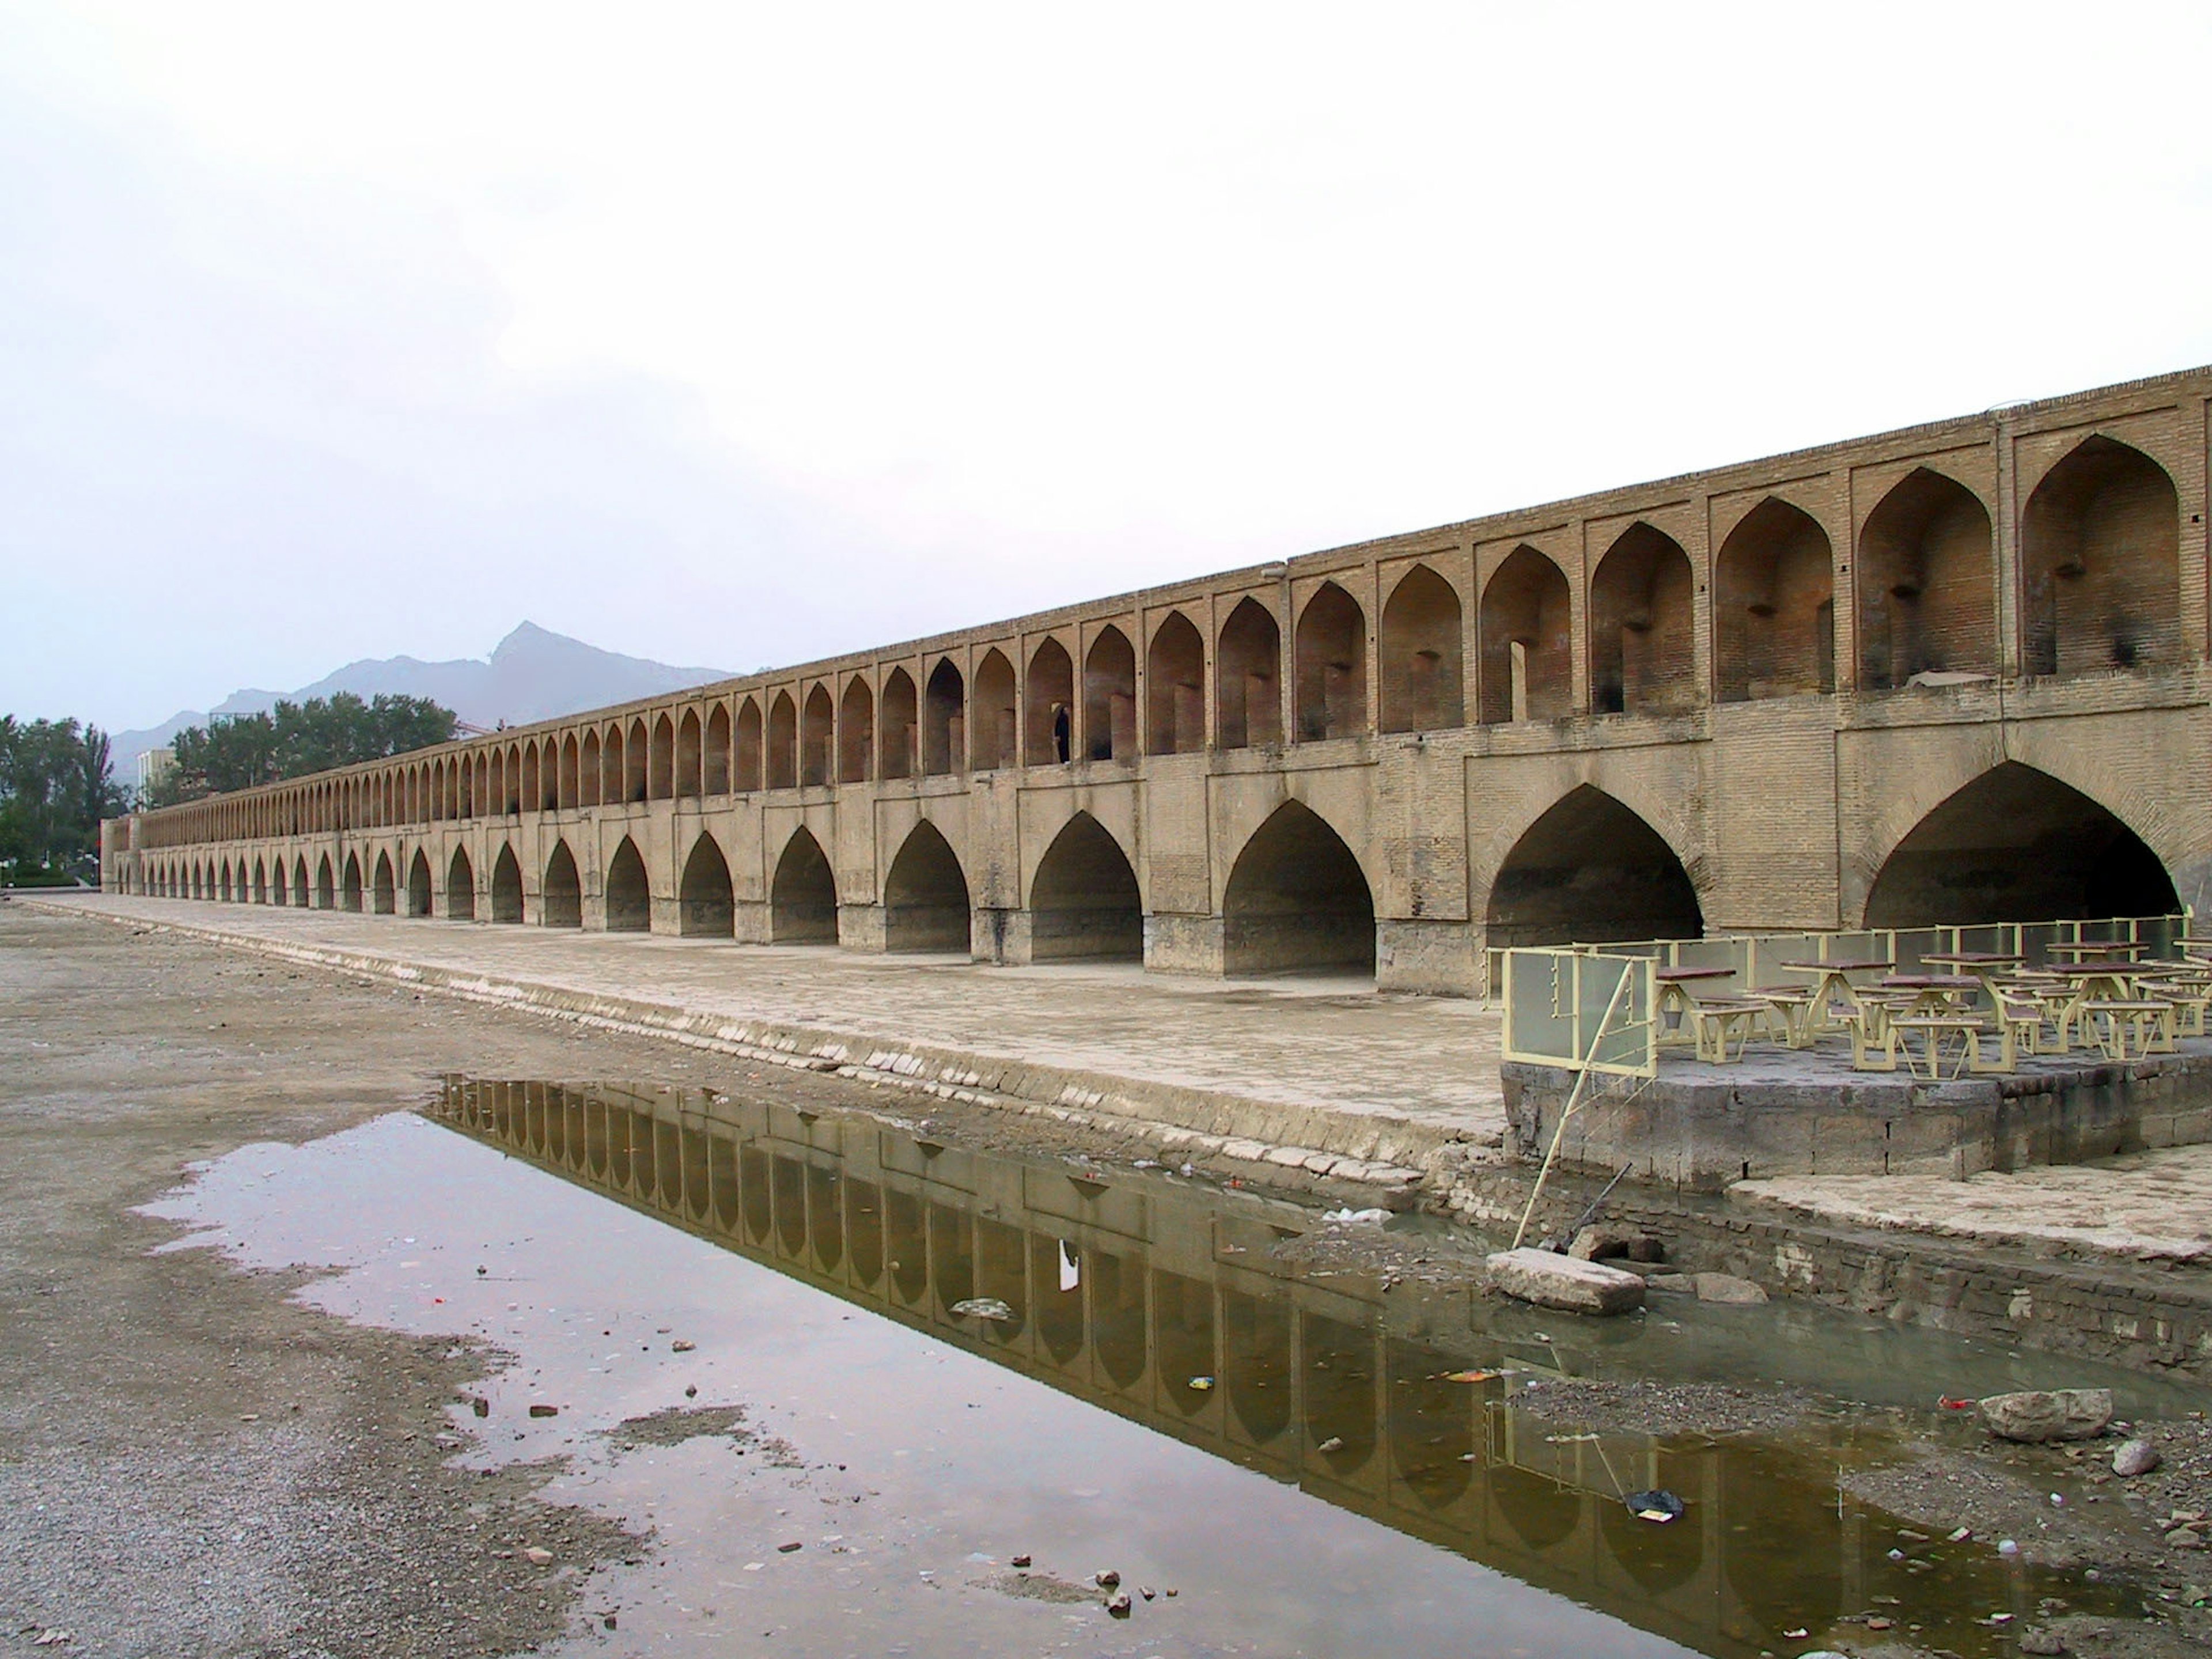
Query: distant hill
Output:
(532,675)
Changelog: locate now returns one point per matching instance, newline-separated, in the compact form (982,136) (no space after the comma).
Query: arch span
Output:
(561,898)
(926,904)
(629,896)
(1084,904)
(1420,654)
(1109,697)
(1926,584)
(1332,666)
(943,721)
(2017,845)
(1587,870)
(506,886)
(1296,899)
(1248,667)
(1175,688)
(461,887)
(1051,719)
(1774,607)
(705,901)
(1640,653)
(385,890)
(900,728)
(300,885)
(992,740)
(1526,630)
(2100,565)
(803,896)
(326,893)
(418,885)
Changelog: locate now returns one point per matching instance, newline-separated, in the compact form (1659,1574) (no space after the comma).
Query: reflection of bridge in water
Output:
(1121,1292)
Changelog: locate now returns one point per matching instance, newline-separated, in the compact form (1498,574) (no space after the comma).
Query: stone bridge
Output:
(1952,673)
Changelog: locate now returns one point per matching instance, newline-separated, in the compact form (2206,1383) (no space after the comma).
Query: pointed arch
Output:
(260,882)
(715,757)
(1247,698)
(1296,899)
(533,787)
(783,743)
(1642,655)
(1926,584)
(568,795)
(750,746)
(943,721)
(901,726)
(1109,697)
(506,886)
(225,879)
(1421,677)
(1084,904)
(992,729)
(614,767)
(1587,870)
(2018,844)
(925,904)
(590,770)
(560,899)
(660,762)
(326,885)
(1331,690)
(1048,737)
(2100,565)
(706,901)
(690,777)
(628,893)
(817,738)
(461,887)
(856,732)
(418,885)
(803,895)
(637,763)
(300,885)
(1175,688)
(1774,607)
(383,893)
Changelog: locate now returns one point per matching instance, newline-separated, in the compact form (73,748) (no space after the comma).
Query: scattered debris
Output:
(1117,1605)
(681,1345)
(982,1307)
(1359,1218)
(539,1556)
(1106,1580)
(542,1410)
(1656,1504)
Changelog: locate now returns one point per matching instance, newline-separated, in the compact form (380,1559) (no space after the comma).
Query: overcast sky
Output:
(738,334)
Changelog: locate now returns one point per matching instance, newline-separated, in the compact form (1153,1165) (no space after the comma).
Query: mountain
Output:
(532,675)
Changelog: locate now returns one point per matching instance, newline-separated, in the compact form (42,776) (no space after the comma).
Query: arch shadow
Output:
(803,896)
(1587,870)
(705,901)
(925,904)
(1084,904)
(630,895)
(1298,900)
(560,899)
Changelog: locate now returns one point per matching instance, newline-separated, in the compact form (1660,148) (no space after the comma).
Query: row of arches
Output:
(2015,845)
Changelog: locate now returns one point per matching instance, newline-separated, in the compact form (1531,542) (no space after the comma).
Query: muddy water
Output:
(1312,1462)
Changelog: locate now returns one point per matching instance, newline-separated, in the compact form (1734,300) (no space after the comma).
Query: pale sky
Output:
(739,335)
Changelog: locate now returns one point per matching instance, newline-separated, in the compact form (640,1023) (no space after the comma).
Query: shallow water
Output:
(1286,1449)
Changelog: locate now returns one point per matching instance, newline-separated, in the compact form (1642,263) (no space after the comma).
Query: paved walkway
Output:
(1306,1053)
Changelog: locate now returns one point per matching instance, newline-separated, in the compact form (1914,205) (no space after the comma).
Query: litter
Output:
(1201,1384)
(1470,1376)
(982,1307)
(1951,1404)
(1656,1505)
(1375,1217)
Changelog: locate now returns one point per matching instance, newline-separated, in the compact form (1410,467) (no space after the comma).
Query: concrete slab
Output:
(1561,1282)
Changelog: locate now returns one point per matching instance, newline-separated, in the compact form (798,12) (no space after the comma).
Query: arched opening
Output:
(926,904)
(783,743)
(589,770)
(2100,565)
(327,890)
(385,893)
(637,763)
(1588,872)
(612,768)
(1247,698)
(900,726)
(716,759)
(856,731)
(1083,904)
(226,881)
(533,796)
(1109,697)
(1642,660)
(418,885)
(461,887)
(818,739)
(1049,738)
(1774,607)
(992,730)
(943,720)
(705,903)
(300,885)
(1331,691)
(748,760)
(506,886)
(1297,900)
(629,898)
(1175,688)
(802,897)
(1421,685)
(566,796)
(260,882)
(688,780)
(1925,591)
(2017,845)
(561,897)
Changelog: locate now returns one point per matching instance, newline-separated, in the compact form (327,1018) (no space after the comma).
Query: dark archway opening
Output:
(418,885)
(562,895)
(461,887)
(629,898)
(506,886)
(1083,904)
(1527,641)
(2100,565)
(1421,677)
(1175,688)
(386,887)
(327,896)
(706,903)
(1590,871)
(1297,900)
(299,886)
(1774,607)
(2017,845)
(1925,600)
(925,905)
(803,898)
(1642,658)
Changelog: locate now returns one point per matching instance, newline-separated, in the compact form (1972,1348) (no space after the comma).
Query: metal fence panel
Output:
(1579,1009)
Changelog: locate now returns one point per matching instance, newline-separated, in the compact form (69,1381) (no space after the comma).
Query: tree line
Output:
(293,739)
(54,790)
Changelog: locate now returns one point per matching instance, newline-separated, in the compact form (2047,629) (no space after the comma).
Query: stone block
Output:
(1559,1282)
(2040,1414)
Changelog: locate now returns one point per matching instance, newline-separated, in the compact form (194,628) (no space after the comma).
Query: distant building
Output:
(155,766)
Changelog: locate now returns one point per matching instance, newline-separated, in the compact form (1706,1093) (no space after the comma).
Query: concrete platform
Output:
(1326,1073)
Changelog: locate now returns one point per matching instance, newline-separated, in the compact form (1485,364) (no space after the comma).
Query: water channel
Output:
(1314,1460)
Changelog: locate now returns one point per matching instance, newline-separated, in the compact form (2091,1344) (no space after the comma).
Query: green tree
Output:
(54,790)
(294,739)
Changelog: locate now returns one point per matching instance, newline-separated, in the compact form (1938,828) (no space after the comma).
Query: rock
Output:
(2134,1457)
(1333,1443)
(2040,1641)
(1118,1604)
(1727,1288)
(681,1345)
(787,1549)
(2039,1414)
(480,1405)
(545,1411)
(539,1556)
(1106,1580)
(1685,1283)
(1022,1560)
(1601,1243)
(2185,1538)
(1561,1282)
